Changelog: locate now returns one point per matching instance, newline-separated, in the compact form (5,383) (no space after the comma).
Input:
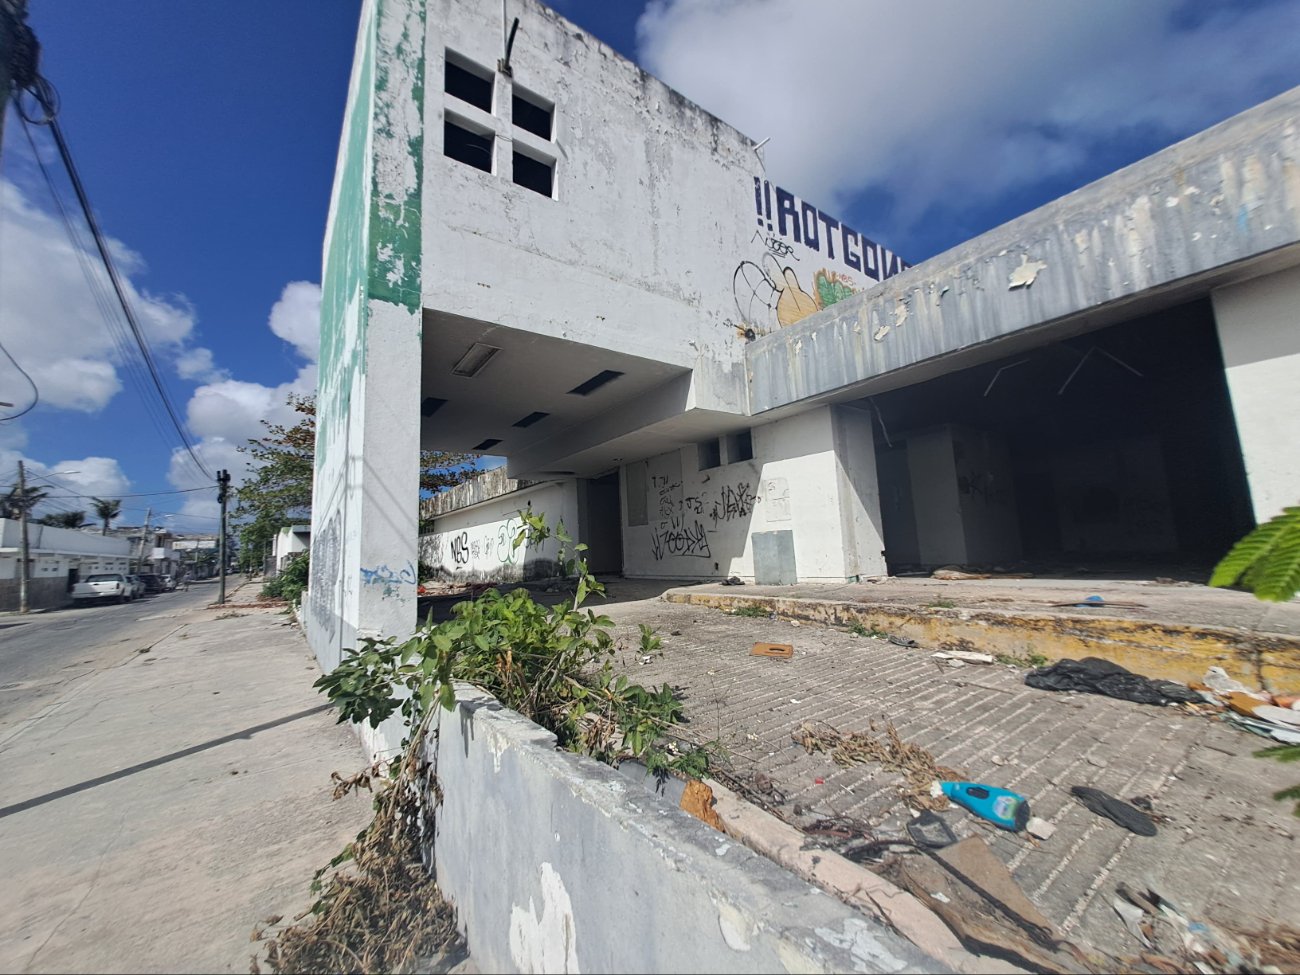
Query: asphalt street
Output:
(44,654)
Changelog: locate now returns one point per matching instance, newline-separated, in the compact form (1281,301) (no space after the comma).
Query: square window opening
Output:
(709,454)
(533,174)
(532,113)
(740,446)
(468,81)
(471,148)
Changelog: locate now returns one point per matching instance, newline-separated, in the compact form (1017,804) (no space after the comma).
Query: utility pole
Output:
(25,575)
(144,539)
(223,491)
(18,52)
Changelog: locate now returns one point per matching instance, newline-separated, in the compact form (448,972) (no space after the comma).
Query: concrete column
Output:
(366,491)
(1259,331)
(859,490)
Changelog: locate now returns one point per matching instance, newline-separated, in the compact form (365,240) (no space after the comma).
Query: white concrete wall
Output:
(477,543)
(556,863)
(1259,331)
(940,535)
(699,523)
(662,237)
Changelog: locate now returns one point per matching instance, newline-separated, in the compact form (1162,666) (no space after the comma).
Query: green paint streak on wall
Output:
(395,236)
(344,276)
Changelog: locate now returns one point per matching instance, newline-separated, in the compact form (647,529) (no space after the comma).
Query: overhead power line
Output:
(45,95)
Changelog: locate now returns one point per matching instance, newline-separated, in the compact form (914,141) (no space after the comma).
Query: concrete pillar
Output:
(861,525)
(366,491)
(1259,332)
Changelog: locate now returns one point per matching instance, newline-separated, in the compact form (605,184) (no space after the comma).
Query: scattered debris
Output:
(914,762)
(974,894)
(1097,676)
(1001,807)
(931,830)
(1097,602)
(1176,943)
(783,650)
(903,641)
(1039,828)
(966,656)
(1103,804)
(1257,711)
(732,581)
(955,573)
(697,799)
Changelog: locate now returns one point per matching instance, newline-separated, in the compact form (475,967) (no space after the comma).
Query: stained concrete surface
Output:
(1226,853)
(162,805)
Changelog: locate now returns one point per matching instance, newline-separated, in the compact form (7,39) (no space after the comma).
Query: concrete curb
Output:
(1154,649)
(782,843)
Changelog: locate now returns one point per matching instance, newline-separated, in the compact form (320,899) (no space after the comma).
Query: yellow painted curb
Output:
(1170,651)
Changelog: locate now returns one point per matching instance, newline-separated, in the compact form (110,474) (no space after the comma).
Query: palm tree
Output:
(63,519)
(107,511)
(16,502)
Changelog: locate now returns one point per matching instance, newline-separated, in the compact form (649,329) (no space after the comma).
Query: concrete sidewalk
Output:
(159,810)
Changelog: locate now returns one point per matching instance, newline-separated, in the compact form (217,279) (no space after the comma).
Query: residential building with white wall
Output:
(556,258)
(59,557)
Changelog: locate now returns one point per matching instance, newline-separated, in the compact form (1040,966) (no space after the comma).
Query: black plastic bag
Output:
(1097,676)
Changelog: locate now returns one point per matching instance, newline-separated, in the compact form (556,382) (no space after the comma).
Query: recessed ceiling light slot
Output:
(595,382)
(487,444)
(473,361)
(530,419)
(431,405)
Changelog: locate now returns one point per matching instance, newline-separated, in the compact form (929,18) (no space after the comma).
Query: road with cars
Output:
(44,654)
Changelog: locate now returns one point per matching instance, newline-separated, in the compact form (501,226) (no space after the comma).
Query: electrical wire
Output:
(36,392)
(95,284)
(47,97)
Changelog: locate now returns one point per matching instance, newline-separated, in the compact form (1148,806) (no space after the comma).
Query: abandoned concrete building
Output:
(538,251)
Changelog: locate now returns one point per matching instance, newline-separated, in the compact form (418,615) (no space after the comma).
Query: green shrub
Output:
(291,581)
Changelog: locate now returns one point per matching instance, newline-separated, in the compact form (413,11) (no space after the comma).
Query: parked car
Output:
(169,583)
(152,581)
(103,586)
(137,586)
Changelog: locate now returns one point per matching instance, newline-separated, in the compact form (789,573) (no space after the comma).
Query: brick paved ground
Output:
(1227,854)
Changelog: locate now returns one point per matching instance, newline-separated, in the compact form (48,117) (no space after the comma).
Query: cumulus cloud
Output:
(70,484)
(56,295)
(936,101)
(296,317)
(197,363)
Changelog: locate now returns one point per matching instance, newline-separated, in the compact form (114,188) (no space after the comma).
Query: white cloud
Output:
(936,101)
(70,484)
(197,363)
(296,318)
(55,320)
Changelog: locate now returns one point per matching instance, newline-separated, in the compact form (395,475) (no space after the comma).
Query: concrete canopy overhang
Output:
(1220,207)
(646,409)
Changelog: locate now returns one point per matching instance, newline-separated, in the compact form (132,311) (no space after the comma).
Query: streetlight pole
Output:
(24,576)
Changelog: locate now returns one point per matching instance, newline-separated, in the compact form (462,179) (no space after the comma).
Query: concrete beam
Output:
(1212,202)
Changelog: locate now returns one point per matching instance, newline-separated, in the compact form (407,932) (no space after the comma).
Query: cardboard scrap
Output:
(783,650)
(697,799)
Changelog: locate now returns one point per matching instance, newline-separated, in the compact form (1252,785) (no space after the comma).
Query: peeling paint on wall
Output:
(545,941)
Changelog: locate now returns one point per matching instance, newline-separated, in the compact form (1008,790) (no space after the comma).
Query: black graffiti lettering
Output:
(460,548)
(680,537)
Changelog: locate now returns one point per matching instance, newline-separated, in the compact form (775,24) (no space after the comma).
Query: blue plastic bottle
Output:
(1001,807)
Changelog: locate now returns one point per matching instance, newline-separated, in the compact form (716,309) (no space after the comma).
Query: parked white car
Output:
(103,586)
(137,586)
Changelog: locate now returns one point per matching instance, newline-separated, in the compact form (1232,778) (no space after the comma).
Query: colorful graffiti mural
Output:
(768,290)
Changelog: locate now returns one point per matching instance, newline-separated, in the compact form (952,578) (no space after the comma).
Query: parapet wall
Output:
(555,862)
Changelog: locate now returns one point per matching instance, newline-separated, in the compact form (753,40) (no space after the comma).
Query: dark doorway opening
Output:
(601,523)
(1113,450)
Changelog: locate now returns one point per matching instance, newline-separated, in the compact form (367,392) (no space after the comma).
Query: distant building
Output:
(561,260)
(289,542)
(59,558)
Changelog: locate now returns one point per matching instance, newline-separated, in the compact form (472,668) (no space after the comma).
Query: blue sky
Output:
(206,136)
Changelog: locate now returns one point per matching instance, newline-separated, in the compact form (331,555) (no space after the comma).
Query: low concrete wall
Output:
(557,863)
(41,594)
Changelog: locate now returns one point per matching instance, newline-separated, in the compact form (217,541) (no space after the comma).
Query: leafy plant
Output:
(858,629)
(291,581)
(553,664)
(941,604)
(1267,561)
(752,612)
